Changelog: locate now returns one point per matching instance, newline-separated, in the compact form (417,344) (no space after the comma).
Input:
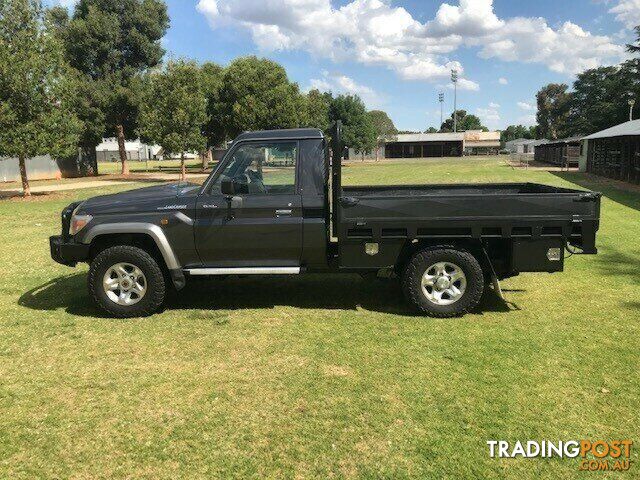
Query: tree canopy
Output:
(112,44)
(256,94)
(36,116)
(635,47)
(553,102)
(514,132)
(211,75)
(174,109)
(318,109)
(358,131)
(465,122)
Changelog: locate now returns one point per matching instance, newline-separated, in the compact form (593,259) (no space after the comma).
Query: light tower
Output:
(632,102)
(454,79)
(441,100)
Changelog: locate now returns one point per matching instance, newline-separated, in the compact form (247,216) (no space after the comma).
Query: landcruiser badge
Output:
(172,207)
(371,249)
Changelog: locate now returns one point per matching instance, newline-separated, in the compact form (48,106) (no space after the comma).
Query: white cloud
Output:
(341,84)
(464,84)
(503,81)
(525,106)
(627,12)
(490,116)
(375,32)
(528,120)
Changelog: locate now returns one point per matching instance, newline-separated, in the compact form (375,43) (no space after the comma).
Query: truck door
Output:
(263,227)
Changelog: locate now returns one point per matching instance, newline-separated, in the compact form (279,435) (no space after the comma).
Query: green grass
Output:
(318,376)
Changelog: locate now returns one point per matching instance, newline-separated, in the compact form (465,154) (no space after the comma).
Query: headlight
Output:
(78,222)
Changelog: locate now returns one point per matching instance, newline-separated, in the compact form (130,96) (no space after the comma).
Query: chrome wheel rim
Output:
(124,284)
(444,283)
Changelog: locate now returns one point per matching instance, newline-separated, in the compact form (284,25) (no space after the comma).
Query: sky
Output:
(397,55)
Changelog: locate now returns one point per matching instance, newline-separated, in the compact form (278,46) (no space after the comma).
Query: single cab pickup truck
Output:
(275,205)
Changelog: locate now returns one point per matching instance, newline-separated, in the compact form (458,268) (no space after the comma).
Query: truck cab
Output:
(275,205)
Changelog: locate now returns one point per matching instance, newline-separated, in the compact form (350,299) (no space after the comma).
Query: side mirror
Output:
(227,187)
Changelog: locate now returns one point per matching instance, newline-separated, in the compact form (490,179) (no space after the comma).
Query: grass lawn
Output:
(318,376)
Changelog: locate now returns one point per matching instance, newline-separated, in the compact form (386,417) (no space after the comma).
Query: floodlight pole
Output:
(632,102)
(441,100)
(454,79)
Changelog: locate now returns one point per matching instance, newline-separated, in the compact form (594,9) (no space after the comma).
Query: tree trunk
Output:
(205,159)
(182,168)
(122,149)
(377,153)
(26,190)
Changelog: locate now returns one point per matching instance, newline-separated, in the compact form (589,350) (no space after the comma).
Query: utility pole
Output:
(454,79)
(632,102)
(441,100)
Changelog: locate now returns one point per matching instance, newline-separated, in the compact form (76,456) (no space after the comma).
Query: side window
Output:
(262,168)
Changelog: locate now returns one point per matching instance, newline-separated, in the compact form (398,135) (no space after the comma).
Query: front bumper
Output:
(68,253)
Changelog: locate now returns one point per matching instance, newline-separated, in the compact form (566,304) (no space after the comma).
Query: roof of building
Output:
(560,141)
(427,137)
(625,129)
(527,141)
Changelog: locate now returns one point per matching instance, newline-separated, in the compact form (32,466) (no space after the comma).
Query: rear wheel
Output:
(126,281)
(443,282)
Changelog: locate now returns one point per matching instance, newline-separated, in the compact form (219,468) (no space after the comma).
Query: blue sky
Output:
(397,54)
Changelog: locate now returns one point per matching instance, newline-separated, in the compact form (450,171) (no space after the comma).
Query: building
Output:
(614,152)
(564,153)
(108,151)
(523,145)
(477,142)
(429,145)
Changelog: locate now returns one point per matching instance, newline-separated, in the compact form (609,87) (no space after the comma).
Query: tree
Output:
(214,129)
(35,113)
(383,127)
(113,44)
(514,132)
(553,110)
(465,122)
(635,48)
(174,109)
(600,95)
(257,95)
(357,130)
(318,109)
(431,130)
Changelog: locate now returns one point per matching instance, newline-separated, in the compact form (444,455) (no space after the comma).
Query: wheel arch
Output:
(474,247)
(145,235)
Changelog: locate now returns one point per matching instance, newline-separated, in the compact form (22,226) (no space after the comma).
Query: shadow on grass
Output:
(624,194)
(331,292)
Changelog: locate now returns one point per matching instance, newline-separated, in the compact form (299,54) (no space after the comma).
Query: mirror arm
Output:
(230,215)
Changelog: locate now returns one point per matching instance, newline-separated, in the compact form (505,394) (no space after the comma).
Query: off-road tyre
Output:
(155,281)
(422,260)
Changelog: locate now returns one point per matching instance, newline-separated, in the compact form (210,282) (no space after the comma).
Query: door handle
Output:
(284,213)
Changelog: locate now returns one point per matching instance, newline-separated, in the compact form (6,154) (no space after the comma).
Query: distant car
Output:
(275,206)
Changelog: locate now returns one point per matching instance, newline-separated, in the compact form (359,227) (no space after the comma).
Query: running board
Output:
(245,271)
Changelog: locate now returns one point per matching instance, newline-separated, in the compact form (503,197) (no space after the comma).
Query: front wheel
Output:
(443,282)
(126,282)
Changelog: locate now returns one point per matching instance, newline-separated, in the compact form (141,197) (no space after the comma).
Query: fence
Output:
(44,167)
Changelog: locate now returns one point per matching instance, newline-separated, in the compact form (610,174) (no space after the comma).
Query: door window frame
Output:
(208,184)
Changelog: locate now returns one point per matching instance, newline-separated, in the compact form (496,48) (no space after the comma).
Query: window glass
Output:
(262,168)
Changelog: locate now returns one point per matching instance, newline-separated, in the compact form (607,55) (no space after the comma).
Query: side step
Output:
(245,271)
